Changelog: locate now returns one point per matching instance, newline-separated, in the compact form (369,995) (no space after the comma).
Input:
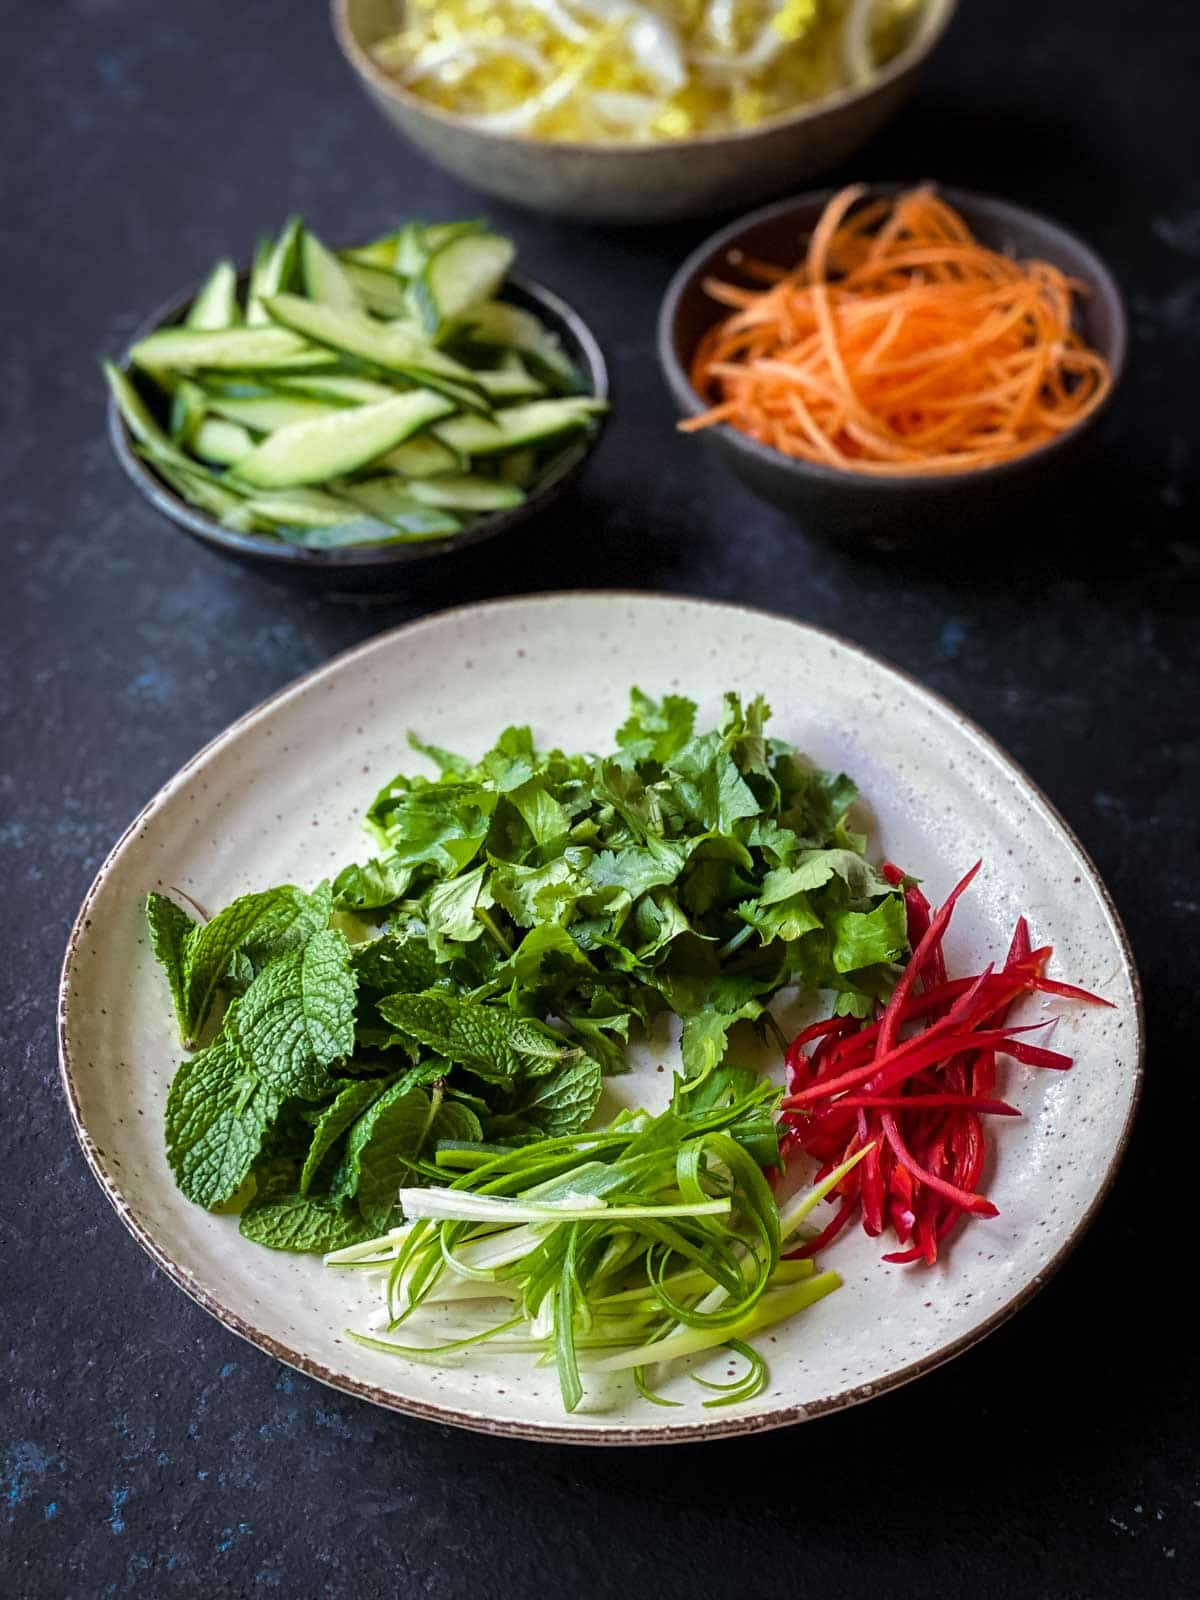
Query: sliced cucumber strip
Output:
(509,382)
(216,305)
(311,452)
(422,457)
(276,273)
(434,236)
(410,253)
(378,253)
(352,396)
(424,524)
(301,508)
(378,289)
(466,494)
(462,274)
(265,413)
(335,387)
(388,500)
(234,349)
(262,255)
(519,467)
(197,487)
(324,277)
(221,442)
(137,416)
(512,328)
(394,348)
(189,404)
(535,423)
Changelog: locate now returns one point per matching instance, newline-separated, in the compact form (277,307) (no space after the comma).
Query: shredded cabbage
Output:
(639,70)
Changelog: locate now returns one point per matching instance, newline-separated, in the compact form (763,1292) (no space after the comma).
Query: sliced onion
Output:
(624,110)
(560,18)
(469,49)
(858,59)
(720,19)
(652,40)
(521,117)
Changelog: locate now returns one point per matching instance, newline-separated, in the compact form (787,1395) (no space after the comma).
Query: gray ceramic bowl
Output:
(882,511)
(381,569)
(636,183)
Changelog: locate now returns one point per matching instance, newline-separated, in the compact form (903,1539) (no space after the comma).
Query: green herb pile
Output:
(475,979)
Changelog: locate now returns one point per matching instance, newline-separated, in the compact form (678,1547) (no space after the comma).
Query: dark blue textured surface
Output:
(144,1449)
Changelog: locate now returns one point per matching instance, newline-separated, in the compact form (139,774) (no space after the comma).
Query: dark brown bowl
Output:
(884,511)
(380,569)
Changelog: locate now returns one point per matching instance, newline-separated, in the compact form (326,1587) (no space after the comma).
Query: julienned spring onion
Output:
(621,1249)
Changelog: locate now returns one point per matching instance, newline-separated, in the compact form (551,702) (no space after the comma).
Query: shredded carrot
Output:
(898,345)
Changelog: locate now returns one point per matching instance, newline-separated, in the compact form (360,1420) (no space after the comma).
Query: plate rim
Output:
(622,1435)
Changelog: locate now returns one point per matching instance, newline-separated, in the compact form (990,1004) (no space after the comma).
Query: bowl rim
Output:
(970,203)
(935,18)
(279,551)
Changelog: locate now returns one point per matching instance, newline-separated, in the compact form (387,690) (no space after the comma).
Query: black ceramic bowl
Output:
(884,511)
(382,569)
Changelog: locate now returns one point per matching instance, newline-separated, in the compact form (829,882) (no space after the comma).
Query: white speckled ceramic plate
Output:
(279,796)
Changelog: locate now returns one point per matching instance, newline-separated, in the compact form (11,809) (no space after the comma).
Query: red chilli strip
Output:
(796,1062)
(873,1192)
(890,1023)
(828,1233)
(915,903)
(1070,992)
(978,1205)
(1002,987)
(923,1051)
(998,1108)
(1031,1056)
(983,1070)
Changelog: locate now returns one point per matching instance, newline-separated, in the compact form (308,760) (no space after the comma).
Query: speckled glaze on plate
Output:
(279,796)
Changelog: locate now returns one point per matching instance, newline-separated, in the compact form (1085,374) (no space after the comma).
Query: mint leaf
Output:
(457,1122)
(394,962)
(556,1103)
(217,1113)
(257,927)
(170,928)
(491,1043)
(656,730)
(297,1017)
(864,938)
(380,1151)
(298,1224)
(352,1101)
